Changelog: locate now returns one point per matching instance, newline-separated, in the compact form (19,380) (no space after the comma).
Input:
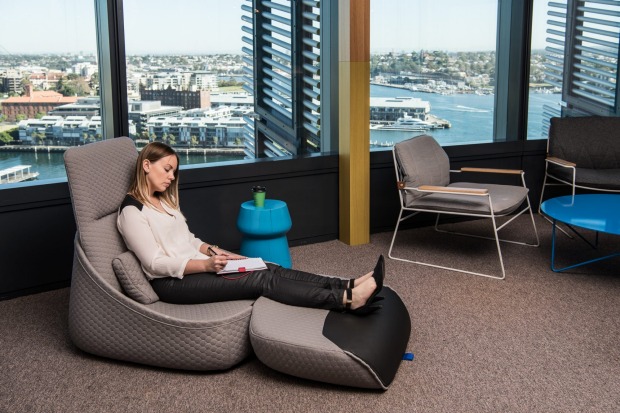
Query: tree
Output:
(5,138)
(172,140)
(193,141)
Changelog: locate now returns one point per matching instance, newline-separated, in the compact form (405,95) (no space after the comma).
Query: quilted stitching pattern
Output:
(290,339)
(129,273)
(422,162)
(104,321)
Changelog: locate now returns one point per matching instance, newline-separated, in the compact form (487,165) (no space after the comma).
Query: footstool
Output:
(332,347)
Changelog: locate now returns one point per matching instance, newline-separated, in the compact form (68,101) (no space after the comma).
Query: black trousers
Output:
(277,283)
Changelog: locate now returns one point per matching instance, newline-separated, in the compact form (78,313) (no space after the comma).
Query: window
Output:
(184,87)
(49,81)
(433,69)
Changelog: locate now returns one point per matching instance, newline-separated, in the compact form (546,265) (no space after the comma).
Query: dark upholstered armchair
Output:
(583,152)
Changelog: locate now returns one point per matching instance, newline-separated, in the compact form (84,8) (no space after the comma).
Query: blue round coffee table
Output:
(264,231)
(596,212)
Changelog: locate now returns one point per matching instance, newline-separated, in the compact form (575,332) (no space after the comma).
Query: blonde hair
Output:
(153,152)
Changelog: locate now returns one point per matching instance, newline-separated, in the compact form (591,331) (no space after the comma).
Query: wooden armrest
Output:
(453,190)
(560,162)
(493,170)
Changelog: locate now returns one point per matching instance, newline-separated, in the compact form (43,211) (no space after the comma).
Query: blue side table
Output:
(264,231)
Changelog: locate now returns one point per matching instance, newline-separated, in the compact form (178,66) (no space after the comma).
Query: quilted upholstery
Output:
(505,198)
(133,280)
(106,322)
(289,339)
(300,342)
(434,170)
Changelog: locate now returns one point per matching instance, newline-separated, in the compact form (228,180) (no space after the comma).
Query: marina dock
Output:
(16,174)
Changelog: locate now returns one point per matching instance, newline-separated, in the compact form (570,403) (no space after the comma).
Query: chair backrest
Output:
(591,142)
(421,161)
(99,175)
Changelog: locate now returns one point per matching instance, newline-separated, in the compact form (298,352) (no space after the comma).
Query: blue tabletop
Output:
(270,204)
(598,212)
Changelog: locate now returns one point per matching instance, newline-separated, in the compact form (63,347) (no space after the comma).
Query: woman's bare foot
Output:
(360,280)
(363,291)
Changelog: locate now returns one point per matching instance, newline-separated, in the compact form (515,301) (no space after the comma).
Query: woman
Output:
(182,268)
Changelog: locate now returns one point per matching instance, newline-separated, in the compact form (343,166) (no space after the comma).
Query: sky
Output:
(213,26)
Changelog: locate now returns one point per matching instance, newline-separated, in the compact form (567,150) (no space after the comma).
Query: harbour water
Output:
(470,115)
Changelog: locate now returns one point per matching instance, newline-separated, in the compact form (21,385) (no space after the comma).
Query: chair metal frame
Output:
(468,192)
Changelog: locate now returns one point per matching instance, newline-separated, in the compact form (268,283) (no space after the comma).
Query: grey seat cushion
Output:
(505,199)
(332,347)
(592,178)
(132,279)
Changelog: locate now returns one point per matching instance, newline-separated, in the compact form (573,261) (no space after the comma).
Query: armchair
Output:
(583,152)
(423,180)
(113,319)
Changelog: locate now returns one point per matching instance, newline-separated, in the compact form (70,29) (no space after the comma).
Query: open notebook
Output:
(243,265)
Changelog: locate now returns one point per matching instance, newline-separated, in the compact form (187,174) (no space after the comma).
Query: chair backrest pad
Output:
(592,142)
(422,161)
(99,175)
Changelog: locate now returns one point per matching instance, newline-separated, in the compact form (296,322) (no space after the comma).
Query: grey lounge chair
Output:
(583,152)
(423,178)
(103,319)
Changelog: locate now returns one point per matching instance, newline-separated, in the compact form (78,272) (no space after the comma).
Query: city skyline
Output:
(151,26)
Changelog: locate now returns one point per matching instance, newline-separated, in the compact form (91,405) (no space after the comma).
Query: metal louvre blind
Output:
(591,64)
(283,69)
(247,50)
(554,55)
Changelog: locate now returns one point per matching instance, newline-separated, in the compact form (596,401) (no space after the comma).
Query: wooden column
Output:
(354,109)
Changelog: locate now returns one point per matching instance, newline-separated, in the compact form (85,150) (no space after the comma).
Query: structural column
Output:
(354,109)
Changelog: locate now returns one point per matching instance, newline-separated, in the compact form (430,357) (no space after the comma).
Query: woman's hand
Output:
(230,255)
(216,263)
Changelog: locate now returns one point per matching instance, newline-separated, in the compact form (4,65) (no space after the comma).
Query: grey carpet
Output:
(536,342)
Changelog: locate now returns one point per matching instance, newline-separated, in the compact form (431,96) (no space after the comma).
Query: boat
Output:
(409,123)
(17,173)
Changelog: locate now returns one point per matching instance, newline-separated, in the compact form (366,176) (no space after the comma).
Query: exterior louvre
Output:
(283,54)
(591,62)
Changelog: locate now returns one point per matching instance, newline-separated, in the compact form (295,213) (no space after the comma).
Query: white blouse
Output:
(161,241)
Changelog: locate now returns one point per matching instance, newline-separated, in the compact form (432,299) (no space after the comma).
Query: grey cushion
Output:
(133,280)
(504,198)
(602,135)
(591,178)
(423,162)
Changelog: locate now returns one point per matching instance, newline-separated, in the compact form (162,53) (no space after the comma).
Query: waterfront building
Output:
(208,131)
(390,109)
(84,106)
(33,103)
(57,130)
(140,111)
